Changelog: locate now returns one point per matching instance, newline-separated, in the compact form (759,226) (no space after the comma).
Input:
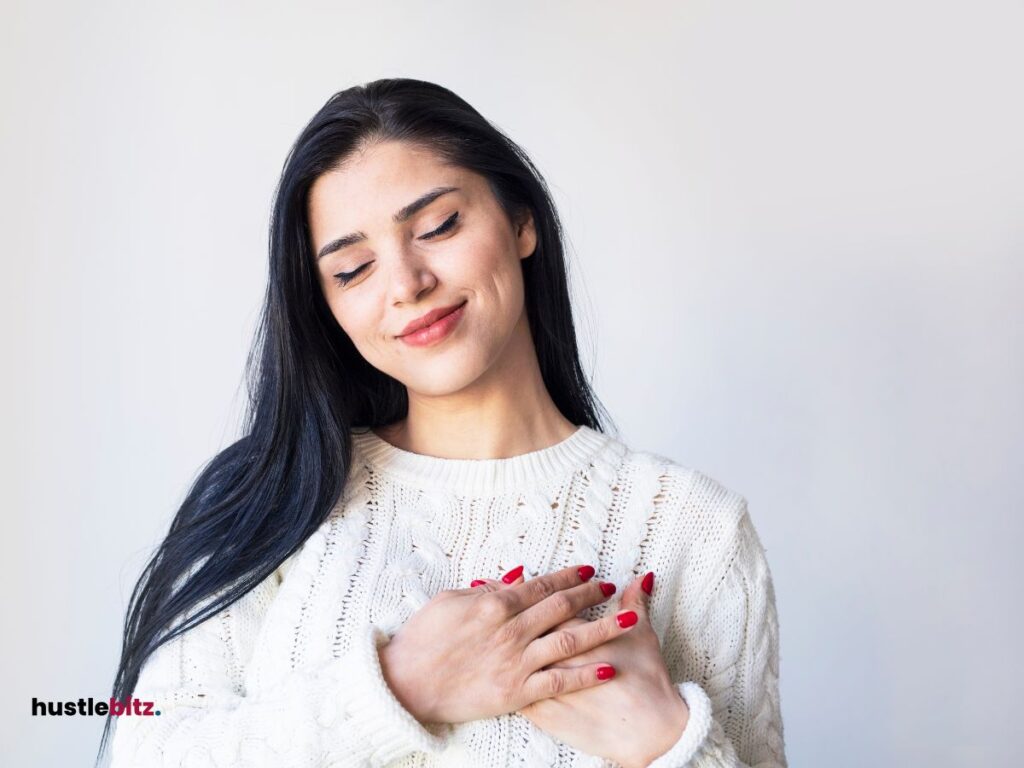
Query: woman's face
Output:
(451,248)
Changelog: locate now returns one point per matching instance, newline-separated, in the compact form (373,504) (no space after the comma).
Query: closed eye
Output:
(448,224)
(346,277)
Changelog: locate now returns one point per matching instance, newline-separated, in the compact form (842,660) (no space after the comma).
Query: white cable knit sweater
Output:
(288,676)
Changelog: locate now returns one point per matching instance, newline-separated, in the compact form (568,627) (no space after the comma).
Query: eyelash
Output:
(346,277)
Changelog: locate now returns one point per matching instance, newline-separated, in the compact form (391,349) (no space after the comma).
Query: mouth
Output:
(433,326)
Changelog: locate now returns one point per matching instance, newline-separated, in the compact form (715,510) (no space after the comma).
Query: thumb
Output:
(637,595)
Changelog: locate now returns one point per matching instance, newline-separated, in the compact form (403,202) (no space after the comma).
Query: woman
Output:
(329,592)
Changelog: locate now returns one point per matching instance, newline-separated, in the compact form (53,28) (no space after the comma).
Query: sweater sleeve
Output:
(735,716)
(340,713)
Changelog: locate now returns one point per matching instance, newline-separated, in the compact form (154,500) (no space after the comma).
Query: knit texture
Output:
(289,676)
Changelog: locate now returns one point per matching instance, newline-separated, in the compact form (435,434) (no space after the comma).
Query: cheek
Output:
(358,319)
(506,284)
(497,276)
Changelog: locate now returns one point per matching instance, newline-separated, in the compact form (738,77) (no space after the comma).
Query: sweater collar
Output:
(479,477)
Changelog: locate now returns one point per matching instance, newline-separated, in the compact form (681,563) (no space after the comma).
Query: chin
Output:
(438,387)
(441,379)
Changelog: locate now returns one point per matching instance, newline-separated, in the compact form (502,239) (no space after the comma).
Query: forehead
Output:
(376,182)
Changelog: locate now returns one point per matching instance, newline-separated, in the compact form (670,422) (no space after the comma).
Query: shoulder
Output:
(695,523)
(701,539)
(685,497)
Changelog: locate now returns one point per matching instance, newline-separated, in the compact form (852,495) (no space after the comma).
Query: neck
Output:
(506,412)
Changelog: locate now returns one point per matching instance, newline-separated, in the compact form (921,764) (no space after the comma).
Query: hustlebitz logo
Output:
(129,707)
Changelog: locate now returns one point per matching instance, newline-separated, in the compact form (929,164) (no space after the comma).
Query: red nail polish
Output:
(647,585)
(477,582)
(627,619)
(607,588)
(606,672)
(512,575)
(586,572)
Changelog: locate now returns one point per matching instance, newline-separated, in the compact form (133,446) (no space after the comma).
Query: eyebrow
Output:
(403,214)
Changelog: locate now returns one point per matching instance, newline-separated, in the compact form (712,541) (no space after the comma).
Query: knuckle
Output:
(567,643)
(492,607)
(561,604)
(558,682)
(544,588)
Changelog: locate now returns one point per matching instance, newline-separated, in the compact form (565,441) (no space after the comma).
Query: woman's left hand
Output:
(631,719)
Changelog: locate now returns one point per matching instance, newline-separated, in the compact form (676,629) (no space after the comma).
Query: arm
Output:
(340,712)
(735,719)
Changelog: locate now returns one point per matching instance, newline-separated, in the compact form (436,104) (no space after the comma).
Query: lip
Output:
(431,317)
(437,330)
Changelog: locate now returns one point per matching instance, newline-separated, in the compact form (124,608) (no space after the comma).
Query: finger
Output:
(561,680)
(492,585)
(636,597)
(569,642)
(535,590)
(485,586)
(575,621)
(647,585)
(539,618)
(515,575)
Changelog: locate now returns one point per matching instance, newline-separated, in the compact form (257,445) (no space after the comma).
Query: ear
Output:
(526,234)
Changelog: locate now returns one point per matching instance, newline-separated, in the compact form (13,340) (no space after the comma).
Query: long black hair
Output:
(259,499)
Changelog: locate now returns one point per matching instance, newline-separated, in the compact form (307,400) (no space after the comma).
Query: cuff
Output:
(375,712)
(697,730)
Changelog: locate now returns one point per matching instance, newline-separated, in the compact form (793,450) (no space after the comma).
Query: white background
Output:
(798,256)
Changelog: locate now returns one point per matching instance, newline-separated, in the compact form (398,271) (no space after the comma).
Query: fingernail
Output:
(606,672)
(626,619)
(512,575)
(647,585)
(608,588)
(477,582)
(586,572)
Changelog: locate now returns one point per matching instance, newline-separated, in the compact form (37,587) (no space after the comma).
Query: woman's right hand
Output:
(479,652)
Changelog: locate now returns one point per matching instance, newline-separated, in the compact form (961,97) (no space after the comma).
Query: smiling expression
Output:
(397,234)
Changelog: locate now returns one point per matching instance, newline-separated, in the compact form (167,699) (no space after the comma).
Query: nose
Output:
(410,277)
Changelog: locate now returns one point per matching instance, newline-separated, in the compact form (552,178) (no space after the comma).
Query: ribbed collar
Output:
(480,477)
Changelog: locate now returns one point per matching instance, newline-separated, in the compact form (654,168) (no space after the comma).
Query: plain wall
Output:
(796,242)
